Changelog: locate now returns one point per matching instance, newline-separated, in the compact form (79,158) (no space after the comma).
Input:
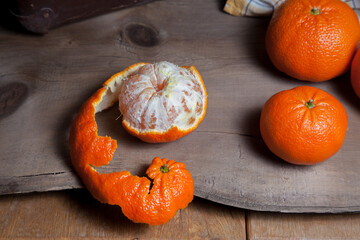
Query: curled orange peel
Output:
(173,185)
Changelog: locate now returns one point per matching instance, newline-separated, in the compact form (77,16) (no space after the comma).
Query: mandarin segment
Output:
(303,125)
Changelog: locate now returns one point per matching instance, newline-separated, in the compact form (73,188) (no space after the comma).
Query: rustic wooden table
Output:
(70,55)
(74,214)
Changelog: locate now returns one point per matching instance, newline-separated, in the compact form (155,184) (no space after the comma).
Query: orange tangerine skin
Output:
(170,135)
(302,135)
(171,191)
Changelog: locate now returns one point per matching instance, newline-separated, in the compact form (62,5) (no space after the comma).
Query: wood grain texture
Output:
(75,214)
(226,155)
(265,226)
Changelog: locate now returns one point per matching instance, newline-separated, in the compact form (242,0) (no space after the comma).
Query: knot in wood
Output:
(12,96)
(142,35)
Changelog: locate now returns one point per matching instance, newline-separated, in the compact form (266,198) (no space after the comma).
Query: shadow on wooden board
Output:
(7,20)
(40,16)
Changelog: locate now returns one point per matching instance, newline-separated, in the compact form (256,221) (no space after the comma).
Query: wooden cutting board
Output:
(45,79)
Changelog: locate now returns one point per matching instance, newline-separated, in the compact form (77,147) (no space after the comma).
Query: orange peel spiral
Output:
(172,189)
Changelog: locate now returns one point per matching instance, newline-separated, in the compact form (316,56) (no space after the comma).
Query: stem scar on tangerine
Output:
(310,104)
(315,11)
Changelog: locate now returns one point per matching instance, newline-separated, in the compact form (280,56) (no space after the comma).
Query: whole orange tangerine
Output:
(313,40)
(304,125)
